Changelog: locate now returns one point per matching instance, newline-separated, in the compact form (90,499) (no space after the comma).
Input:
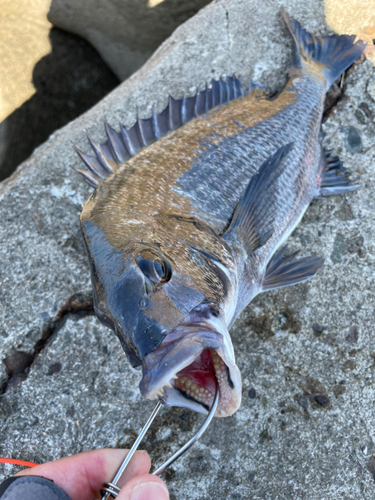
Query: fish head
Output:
(168,301)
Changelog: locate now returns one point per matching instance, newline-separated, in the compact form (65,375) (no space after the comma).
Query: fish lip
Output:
(178,350)
(173,355)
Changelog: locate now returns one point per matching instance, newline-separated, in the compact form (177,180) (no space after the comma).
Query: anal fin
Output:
(335,177)
(285,271)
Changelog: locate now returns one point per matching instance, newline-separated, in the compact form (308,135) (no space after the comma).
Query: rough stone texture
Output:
(124,32)
(307,354)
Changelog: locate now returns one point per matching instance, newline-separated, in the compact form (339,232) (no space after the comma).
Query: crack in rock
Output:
(18,363)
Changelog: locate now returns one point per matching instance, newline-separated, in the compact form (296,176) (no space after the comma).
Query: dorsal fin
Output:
(122,145)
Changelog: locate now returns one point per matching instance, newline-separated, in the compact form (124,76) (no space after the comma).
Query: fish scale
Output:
(190,213)
(207,183)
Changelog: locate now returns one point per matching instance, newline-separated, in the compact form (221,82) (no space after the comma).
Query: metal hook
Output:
(111,489)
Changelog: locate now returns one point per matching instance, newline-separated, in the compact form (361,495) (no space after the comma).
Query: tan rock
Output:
(24,40)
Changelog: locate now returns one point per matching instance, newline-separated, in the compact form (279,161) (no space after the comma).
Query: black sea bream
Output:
(190,213)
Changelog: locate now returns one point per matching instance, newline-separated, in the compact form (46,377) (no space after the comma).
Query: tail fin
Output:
(334,54)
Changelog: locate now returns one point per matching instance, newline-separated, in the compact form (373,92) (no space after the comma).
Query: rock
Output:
(65,83)
(339,389)
(303,401)
(353,140)
(353,335)
(318,329)
(278,322)
(54,368)
(345,211)
(339,248)
(251,476)
(252,393)
(361,116)
(371,466)
(322,400)
(365,108)
(24,40)
(17,362)
(371,89)
(124,32)
(94,401)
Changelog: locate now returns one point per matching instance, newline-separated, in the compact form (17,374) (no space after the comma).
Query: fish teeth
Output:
(168,385)
(159,392)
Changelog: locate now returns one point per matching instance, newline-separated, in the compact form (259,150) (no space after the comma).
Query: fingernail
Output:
(149,491)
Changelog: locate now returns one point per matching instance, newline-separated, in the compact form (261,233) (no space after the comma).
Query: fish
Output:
(190,213)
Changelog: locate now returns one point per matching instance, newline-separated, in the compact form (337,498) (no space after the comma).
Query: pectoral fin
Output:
(253,219)
(284,271)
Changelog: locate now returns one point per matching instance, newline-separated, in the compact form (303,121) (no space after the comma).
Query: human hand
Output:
(82,476)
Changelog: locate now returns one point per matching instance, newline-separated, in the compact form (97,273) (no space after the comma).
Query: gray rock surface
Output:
(124,32)
(305,429)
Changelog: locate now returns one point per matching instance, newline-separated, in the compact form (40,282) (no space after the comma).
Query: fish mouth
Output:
(188,365)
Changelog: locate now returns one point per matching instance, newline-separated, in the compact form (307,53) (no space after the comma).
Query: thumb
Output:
(146,487)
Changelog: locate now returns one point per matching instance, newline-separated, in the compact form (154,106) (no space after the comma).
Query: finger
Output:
(82,476)
(146,487)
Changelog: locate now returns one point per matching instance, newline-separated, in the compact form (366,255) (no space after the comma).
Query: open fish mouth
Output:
(186,368)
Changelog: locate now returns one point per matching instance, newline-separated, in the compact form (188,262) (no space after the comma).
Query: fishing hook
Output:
(111,489)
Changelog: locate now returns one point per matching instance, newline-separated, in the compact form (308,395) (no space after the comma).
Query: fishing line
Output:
(111,489)
(14,461)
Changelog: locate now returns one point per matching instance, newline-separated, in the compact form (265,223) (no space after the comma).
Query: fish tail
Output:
(331,55)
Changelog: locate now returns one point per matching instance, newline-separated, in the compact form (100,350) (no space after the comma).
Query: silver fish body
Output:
(190,213)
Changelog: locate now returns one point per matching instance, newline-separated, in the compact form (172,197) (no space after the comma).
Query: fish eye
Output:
(154,267)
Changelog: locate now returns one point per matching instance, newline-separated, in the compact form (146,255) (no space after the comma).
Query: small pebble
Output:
(371,89)
(322,400)
(319,329)
(303,401)
(367,111)
(54,368)
(251,476)
(267,384)
(278,321)
(17,362)
(338,250)
(21,423)
(360,115)
(353,335)
(252,393)
(353,140)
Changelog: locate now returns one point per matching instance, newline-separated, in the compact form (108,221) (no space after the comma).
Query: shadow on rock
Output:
(68,82)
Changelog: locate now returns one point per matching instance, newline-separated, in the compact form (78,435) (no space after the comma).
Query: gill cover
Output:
(139,295)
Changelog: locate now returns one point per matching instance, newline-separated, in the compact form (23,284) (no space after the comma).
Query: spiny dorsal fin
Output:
(120,146)
(335,177)
(253,218)
(285,271)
